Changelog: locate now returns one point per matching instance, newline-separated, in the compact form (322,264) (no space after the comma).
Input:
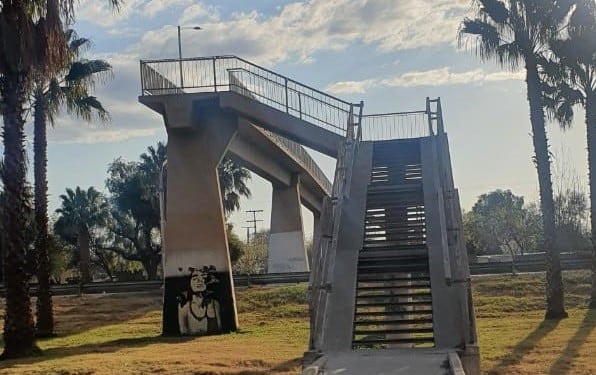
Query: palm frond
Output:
(84,70)
(86,107)
(495,10)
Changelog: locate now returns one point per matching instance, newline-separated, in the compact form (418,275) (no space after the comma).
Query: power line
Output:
(254,219)
(247,233)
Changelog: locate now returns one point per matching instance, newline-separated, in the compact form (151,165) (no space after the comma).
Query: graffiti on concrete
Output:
(198,306)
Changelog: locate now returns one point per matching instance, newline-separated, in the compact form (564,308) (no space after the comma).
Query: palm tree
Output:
(571,75)
(232,182)
(515,32)
(32,41)
(81,212)
(70,88)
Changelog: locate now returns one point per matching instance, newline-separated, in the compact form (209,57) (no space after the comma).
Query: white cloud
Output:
(102,14)
(198,12)
(296,30)
(434,77)
(351,87)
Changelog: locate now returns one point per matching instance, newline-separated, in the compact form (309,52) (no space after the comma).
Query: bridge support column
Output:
(287,252)
(199,292)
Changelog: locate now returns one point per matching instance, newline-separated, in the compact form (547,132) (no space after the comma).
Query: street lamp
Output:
(180,49)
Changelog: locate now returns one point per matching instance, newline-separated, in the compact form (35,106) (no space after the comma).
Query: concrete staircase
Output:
(393,291)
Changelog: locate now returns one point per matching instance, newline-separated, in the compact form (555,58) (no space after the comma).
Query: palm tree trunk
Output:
(45,318)
(84,252)
(555,302)
(19,328)
(591,130)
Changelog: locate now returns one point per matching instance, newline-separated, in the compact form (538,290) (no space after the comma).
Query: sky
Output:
(391,54)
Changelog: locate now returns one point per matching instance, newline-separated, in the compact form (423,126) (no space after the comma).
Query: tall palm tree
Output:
(571,75)
(32,41)
(70,87)
(512,33)
(81,212)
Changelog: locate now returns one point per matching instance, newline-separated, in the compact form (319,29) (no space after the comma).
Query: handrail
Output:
(293,149)
(302,157)
(209,74)
(397,125)
(210,58)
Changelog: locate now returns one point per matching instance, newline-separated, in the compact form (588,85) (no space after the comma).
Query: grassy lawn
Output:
(119,334)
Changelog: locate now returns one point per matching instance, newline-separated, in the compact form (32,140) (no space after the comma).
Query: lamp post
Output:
(180,50)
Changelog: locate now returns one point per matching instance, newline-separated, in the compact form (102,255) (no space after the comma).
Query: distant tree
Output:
(512,33)
(134,188)
(235,245)
(500,223)
(82,214)
(254,258)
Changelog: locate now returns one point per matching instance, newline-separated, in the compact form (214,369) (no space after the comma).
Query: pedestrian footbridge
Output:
(389,287)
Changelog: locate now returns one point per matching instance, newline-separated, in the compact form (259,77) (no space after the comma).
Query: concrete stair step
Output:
(393,331)
(369,314)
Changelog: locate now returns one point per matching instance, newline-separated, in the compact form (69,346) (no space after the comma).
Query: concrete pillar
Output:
(198,292)
(287,252)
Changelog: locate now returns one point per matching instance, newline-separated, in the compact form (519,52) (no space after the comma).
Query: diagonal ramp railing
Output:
(219,73)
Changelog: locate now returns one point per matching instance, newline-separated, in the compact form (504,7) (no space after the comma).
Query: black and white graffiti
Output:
(198,307)
(198,301)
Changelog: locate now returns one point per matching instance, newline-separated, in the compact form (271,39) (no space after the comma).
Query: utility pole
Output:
(247,234)
(254,219)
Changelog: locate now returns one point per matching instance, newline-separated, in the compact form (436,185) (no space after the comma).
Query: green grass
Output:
(120,334)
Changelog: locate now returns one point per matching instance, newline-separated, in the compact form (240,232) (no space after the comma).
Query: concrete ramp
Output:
(383,362)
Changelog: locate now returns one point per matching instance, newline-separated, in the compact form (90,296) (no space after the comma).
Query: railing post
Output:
(142,82)
(300,105)
(350,129)
(359,136)
(214,75)
(440,127)
(429,117)
(287,98)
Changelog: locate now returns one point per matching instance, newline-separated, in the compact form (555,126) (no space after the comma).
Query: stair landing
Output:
(384,362)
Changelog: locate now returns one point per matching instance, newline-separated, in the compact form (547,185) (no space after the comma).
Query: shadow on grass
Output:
(119,344)
(524,347)
(76,314)
(561,365)
(105,347)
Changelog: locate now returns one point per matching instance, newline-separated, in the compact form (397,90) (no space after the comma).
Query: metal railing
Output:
(404,125)
(399,125)
(221,73)
(570,263)
(302,157)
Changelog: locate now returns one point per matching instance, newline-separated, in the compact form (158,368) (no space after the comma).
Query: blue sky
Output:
(389,53)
